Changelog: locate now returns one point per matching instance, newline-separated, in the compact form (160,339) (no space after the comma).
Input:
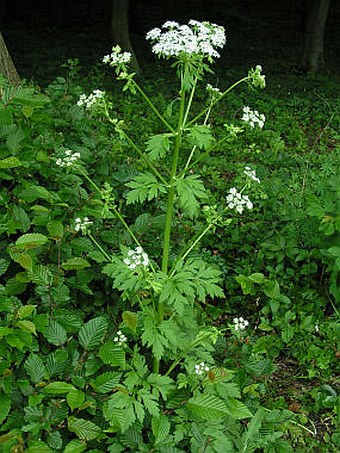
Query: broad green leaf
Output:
(25,260)
(58,388)
(84,429)
(55,229)
(21,217)
(41,275)
(27,326)
(75,398)
(10,162)
(55,333)
(130,320)
(4,331)
(5,406)
(237,409)
(160,428)
(207,407)
(75,446)
(76,263)
(93,332)
(35,368)
(3,266)
(111,354)
(31,240)
(106,382)
(25,311)
(34,193)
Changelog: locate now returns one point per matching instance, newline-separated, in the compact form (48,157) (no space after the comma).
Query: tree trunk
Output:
(313,57)
(7,67)
(120,28)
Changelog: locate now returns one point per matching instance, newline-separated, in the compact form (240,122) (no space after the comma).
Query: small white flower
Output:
(136,258)
(91,100)
(240,324)
(317,328)
(68,160)
(82,225)
(237,201)
(253,117)
(251,174)
(117,57)
(120,338)
(201,368)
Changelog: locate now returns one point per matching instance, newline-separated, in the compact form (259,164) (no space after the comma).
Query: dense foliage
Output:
(146,306)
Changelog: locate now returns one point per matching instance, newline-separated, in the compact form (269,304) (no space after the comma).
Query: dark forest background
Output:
(42,35)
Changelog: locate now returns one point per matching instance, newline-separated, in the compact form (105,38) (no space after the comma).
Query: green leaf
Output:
(35,368)
(200,135)
(160,428)
(207,407)
(10,162)
(21,217)
(150,402)
(84,429)
(27,326)
(75,398)
(237,409)
(191,192)
(25,311)
(130,320)
(111,354)
(55,229)
(145,186)
(76,263)
(31,240)
(158,146)
(55,333)
(93,332)
(5,406)
(106,382)
(3,266)
(58,388)
(33,193)
(41,275)
(75,446)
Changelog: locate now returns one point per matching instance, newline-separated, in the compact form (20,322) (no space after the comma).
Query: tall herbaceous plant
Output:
(170,380)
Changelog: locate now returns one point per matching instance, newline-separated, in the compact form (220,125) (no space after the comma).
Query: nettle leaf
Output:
(10,162)
(158,145)
(5,406)
(111,354)
(191,192)
(75,446)
(75,263)
(84,429)
(130,320)
(58,388)
(160,428)
(32,240)
(34,193)
(93,332)
(207,407)
(55,333)
(237,409)
(55,229)
(35,368)
(106,382)
(145,186)
(200,135)
(3,266)
(41,275)
(21,217)
(75,398)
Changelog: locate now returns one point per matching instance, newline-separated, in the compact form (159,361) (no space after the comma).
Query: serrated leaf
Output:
(41,275)
(145,186)
(191,192)
(5,406)
(157,146)
(55,333)
(25,311)
(35,368)
(111,354)
(58,388)
(75,398)
(237,409)
(84,429)
(25,260)
(55,229)
(33,193)
(106,382)
(200,135)
(76,263)
(207,407)
(75,446)
(93,332)
(3,266)
(31,240)
(27,326)
(160,428)
(10,162)
(21,217)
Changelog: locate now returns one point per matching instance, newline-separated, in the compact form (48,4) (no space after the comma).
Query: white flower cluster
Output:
(256,77)
(215,93)
(120,338)
(68,160)
(240,324)
(236,200)
(253,117)
(200,38)
(117,57)
(251,174)
(81,225)
(201,368)
(89,101)
(136,258)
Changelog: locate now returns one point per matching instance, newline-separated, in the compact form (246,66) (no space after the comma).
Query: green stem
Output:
(147,99)
(204,111)
(190,101)
(99,247)
(170,207)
